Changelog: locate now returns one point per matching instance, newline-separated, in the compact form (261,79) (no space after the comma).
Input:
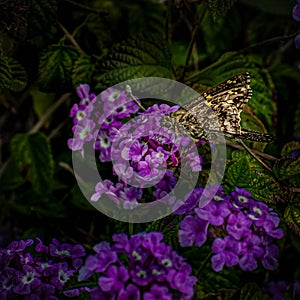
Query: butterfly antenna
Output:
(129,93)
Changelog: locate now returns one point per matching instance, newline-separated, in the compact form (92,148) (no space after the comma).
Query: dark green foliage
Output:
(238,172)
(168,226)
(292,215)
(42,17)
(143,56)
(56,66)
(33,156)
(219,7)
(83,70)
(13,14)
(48,48)
(288,148)
(12,75)
(225,27)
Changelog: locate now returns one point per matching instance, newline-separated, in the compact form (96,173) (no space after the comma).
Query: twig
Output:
(203,264)
(269,41)
(90,9)
(68,168)
(49,112)
(71,39)
(191,45)
(39,124)
(190,49)
(294,189)
(254,156)
(263,155)
(56,130)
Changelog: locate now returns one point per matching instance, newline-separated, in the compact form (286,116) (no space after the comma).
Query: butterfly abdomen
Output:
(255,136)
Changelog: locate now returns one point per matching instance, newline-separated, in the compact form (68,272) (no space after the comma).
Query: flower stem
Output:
(203,264)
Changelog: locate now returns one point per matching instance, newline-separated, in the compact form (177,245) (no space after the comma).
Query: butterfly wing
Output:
(219,108)
(226,100)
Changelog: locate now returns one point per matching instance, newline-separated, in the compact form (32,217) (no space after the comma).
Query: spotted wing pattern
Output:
(218,109)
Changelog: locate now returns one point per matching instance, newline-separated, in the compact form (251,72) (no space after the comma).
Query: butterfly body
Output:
(218,109)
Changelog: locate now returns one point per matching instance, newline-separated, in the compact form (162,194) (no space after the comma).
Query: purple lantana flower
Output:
(143,152)
(243,230)
(83,132)
(193,230)
(39,274)
(140,267)
(226,252)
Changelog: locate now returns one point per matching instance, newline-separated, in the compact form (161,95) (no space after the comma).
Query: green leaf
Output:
(227,28)
(287,168)
(251,291)
(169,226)
(10,179)
(227,280)
(290,147)
(79,200)
(32,155)
(263,187)
(12,75)
(42,17)
(238,173)
(56,67)
(83,70)
(142,56)
(41,101)
(219,7)
(292,215)
(145,16)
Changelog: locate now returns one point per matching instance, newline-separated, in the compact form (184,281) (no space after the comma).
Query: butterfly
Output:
(223,103)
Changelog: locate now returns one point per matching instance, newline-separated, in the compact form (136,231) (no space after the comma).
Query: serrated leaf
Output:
(251,291)
(292,215)
(142,56)
(290,147)
(10,179)
(83,70)
(286,168)
(32,154)
(169,226)
(238,172)
(19,76)
(56,67)
(263,187)
(255,166)
(227,279)
(12,75)
(42,16)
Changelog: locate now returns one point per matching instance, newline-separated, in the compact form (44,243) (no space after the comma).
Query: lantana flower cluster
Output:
(39,273)
(243,230)
(143,152)
(140,267)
